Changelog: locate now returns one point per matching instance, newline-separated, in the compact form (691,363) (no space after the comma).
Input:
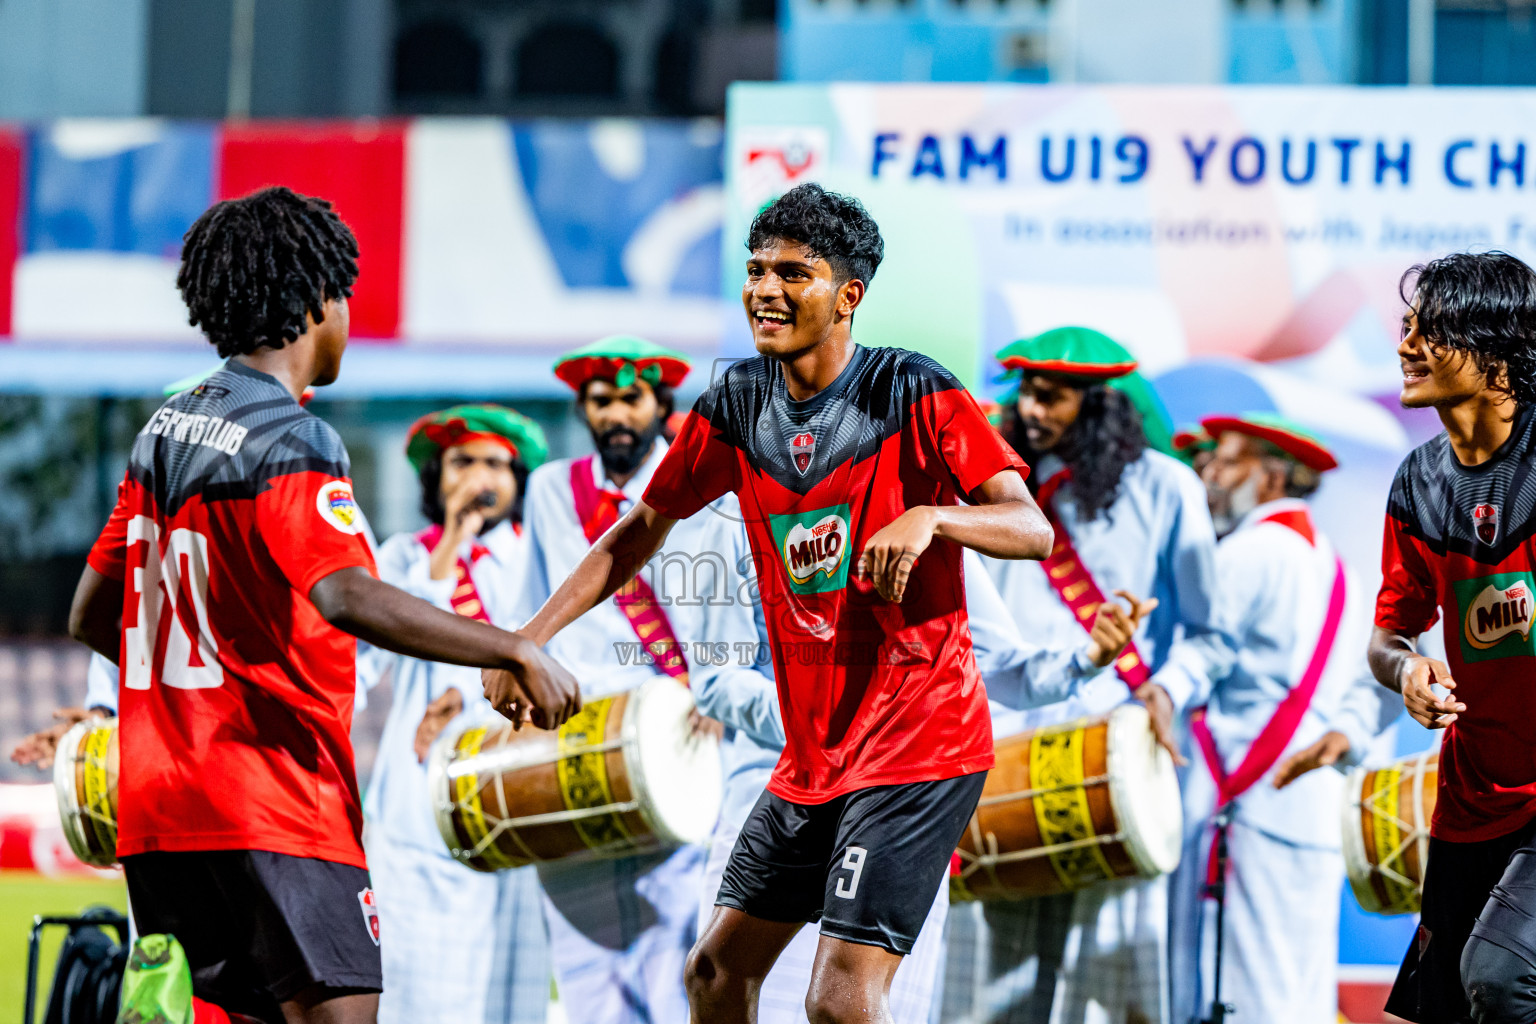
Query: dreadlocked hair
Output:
(1482,304)
(251,268)
(1106,437)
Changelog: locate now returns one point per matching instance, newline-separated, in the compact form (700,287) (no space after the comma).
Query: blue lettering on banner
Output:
(1068,158)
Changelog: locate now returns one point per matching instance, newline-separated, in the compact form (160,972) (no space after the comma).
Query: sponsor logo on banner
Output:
(1485,518)
(802,447)
(336,506)
(770,161)
(1496,616)
(370,913)
(814,548)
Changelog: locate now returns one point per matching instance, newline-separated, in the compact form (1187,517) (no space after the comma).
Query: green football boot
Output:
(157,986)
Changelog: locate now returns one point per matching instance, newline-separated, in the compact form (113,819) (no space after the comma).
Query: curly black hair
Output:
(1483,304)
(252,267)
(1106,437)
(834,227)
(431,477)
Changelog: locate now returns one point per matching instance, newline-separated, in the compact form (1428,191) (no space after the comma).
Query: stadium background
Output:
(526,176)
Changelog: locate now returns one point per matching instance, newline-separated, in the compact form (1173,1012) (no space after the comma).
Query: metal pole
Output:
(242,46)
(1421,42)
(1218,891)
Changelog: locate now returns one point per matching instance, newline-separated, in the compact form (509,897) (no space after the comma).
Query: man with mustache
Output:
(1299,696)
(1126,517)
(619,929)
(1458,543)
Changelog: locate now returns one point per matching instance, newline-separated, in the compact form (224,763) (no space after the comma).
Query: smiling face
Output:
(1435,376)
(1047,407)
(793,300)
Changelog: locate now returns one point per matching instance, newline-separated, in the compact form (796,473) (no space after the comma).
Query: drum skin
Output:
(1053,816)
(1386,832)
(85,773)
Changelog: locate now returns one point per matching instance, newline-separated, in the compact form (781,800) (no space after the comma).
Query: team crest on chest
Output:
(1485,519)
(801,448)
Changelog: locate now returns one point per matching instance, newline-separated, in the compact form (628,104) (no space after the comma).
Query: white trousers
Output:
(1098,956)
(782,998)
(620,932)
(457,946)
(1281,933)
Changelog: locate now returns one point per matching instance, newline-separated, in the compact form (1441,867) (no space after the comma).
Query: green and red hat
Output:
(437,431)
(1300,444)
(1071,352)
(1190,440)
(620,360)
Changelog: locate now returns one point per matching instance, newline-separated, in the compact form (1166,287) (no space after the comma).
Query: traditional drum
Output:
(85,781)
(626,775)
(1071,805)
(1386,832)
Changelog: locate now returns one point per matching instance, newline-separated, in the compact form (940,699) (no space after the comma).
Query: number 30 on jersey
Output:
(165,619)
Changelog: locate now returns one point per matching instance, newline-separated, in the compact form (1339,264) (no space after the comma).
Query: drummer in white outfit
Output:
(459,945)
(1300,692)
(620,929)
(738,690)
(1133,519)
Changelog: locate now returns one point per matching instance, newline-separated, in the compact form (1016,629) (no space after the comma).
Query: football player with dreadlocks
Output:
(1125,517)
(228,585)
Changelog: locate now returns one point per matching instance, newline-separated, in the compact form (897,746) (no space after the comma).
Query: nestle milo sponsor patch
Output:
(1496,616)
(814,548)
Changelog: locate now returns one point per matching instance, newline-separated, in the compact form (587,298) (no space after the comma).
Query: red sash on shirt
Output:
(465,599)
(1282,725)
(597,510)
(1070,579)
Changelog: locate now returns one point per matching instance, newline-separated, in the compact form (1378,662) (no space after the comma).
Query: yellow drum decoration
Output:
(1069,806)
(85,781)
(1386,832)
(625,775)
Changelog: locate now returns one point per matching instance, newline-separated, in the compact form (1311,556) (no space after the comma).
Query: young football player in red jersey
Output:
(228,585)
(851,465)
(1459,542)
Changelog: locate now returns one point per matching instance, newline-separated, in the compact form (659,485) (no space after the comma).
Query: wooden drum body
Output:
(1071,805)
(624,776)
(85,781)
(1386,832)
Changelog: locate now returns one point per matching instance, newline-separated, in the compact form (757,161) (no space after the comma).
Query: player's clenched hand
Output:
(533,687)
(1114,626)
(889,555)
(1160,709)
(1324,752)
(40,747)
(439,713)
(1416,675)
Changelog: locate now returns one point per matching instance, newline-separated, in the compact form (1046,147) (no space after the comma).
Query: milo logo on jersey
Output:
(1496,616)
(814,547)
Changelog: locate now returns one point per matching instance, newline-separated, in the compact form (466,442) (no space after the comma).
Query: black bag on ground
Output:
(88,977)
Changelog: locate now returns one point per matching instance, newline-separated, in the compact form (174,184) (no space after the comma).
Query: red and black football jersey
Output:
(236,696)
(872,693)
(1459,541)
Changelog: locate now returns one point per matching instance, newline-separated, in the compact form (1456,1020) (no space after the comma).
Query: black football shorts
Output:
(867,864)
(258,927)
(1483,890)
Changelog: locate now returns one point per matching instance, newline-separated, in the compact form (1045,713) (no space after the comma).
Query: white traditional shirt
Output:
(1154,540)
(396,800)
(1275,584)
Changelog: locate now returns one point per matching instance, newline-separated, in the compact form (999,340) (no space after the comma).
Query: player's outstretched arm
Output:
(1398,666)
(1003,522)
(96,614)
(355,602)
(609,564)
